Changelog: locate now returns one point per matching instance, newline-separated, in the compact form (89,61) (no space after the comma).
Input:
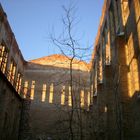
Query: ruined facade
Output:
(48,82)
(35,96)
(115,72)
(36,100)
(11,73)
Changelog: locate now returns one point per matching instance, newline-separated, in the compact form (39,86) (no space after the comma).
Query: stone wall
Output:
(12,105)
(48,88)
(10,110)
(115,72)
(50,98)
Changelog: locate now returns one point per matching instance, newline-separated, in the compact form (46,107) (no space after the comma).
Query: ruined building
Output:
(11,65)
(36,100)
(48,79)
(35,96)
(115,72)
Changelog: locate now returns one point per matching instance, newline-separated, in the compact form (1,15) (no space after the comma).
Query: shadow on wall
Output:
(51,84)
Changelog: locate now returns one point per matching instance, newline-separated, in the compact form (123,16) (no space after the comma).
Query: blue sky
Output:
(32,20)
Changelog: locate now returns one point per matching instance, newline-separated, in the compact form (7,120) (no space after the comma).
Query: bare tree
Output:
(69,46)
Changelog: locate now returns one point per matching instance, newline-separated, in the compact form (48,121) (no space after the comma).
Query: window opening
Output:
(3,58)
(51,93)
(63,96)
(32,90)
(44,93)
